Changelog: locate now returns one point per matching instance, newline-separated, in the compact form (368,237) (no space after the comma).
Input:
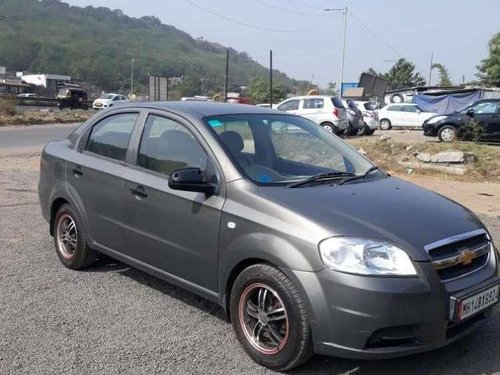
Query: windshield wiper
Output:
(370,170)
(321,177)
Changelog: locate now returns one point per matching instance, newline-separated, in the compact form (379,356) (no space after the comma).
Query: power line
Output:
(303,5)
(397,52)
(242,23)
(287,10)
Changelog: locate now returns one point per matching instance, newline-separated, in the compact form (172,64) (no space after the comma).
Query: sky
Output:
(307,41)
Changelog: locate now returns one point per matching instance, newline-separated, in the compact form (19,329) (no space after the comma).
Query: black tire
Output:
(385,124)
(397,98)
(328,126)
(365,130)
(72,248)
(447,133)
(293,346)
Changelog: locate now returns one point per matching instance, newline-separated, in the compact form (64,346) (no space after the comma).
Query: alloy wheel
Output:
(263,318)
(67,236)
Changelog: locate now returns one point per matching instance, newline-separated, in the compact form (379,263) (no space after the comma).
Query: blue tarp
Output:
(447,103)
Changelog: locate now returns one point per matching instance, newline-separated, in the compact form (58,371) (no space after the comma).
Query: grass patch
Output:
(13,117)
(388,154)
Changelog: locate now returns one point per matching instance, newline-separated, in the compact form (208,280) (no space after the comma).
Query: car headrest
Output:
(233,141)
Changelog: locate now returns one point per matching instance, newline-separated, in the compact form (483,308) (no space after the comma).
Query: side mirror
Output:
(470,113)
(419,111)
(190,179)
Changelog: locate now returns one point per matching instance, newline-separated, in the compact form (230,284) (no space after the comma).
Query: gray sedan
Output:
(306,245)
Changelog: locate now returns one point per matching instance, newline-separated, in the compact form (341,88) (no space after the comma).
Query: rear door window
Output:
(111,136)
(394,108)
(316,103)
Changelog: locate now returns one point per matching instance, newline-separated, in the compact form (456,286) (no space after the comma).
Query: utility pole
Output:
(226,83)
(132,77)
(344,11)
(271,79)
(430,70)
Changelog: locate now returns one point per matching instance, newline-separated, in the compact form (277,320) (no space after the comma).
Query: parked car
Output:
(306,245)
(354,116)
(109,100)
(72,97)
(327,111)
(402,115)
(370,117)
(266,105)
(478,121)
(28,95)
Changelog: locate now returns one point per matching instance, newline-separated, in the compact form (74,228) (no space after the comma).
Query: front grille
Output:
(460,255)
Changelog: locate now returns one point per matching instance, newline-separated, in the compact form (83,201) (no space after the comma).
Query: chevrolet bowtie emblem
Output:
(466,257)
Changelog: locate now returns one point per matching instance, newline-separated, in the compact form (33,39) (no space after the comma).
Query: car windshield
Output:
(283,149)
(107,96)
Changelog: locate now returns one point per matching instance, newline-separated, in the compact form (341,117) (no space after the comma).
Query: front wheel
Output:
(270,319)
(447,133)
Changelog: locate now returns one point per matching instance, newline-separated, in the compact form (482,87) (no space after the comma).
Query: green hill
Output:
(96,45)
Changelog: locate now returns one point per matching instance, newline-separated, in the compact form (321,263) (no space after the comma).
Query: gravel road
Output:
(112,319)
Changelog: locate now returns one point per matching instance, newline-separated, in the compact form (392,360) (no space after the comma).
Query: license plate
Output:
(472,305)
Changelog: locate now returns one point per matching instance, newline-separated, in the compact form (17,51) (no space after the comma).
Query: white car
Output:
(109,100)
(402,115)
(327,111)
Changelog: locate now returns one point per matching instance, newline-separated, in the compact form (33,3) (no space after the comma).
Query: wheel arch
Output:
(55,206)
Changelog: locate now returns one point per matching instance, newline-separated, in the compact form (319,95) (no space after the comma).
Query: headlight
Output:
(433,120)
(365,257)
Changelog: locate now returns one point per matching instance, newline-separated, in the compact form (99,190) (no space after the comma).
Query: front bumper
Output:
(380,317)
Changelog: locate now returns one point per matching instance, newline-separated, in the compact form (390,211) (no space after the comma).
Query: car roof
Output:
(205,109)
(311,97)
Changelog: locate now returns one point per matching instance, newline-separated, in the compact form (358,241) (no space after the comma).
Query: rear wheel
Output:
(385,124)
(70,239)
(269,317)
(328,126)
(365,130)
(447,133)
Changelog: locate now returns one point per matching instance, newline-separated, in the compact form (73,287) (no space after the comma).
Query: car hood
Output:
(387,209)
(103,101)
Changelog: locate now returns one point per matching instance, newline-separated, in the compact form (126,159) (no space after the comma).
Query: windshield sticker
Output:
(264,178)
(214,123)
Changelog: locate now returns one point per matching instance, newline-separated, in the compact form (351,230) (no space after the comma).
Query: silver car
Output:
(327,111)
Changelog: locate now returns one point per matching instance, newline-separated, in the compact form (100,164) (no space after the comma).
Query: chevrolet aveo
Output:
(306,245)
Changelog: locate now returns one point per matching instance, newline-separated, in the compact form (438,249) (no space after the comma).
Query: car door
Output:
(313,109)
(411,116)
(395,114)
(290,106)
(171,230)
(94,176)
(486,115)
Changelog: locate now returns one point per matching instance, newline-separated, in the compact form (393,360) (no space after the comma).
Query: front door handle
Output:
(77,171)
(138,191)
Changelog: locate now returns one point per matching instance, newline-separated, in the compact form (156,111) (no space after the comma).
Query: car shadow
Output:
(174,292)
(476,353)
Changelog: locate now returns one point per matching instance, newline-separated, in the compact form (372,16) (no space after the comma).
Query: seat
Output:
(234,142)
(176,150)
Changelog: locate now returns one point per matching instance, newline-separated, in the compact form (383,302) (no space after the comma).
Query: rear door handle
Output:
(77,171)
(138,191)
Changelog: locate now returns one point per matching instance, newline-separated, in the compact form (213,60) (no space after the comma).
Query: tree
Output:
(444,77)
(489,70)
(190,86)
(258,91)
(331,89)
(401,75)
